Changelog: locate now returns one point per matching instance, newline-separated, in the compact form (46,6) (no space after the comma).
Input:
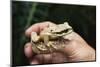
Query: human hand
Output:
(76,49)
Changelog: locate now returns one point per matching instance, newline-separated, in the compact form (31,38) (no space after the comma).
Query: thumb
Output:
(77,49)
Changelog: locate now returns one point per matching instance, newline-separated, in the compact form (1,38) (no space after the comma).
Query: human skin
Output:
(75,50)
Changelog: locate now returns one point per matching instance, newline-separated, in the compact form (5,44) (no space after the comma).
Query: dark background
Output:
(81,17)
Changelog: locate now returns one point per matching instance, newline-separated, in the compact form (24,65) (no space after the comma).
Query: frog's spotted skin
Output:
(51,38)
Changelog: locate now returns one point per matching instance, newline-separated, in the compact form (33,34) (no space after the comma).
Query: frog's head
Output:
(58,30)
(61,29)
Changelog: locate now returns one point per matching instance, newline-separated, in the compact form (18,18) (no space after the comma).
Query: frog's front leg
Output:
(34,37)
(46,39)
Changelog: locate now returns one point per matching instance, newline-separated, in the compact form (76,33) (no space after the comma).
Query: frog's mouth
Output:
(64,31)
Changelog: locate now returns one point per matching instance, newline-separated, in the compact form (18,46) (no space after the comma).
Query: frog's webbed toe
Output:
(34,37)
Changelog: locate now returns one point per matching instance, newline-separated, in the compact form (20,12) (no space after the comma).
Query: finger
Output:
(28,50)
(44,58)
(34,61)
(37,27)
(29,54)
(58,57)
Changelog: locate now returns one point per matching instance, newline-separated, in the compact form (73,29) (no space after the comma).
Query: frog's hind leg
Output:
(35,37)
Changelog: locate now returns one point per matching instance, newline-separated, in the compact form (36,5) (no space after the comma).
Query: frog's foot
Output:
(35,50)
(34,37)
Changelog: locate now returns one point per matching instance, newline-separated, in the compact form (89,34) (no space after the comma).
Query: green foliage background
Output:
(24,14)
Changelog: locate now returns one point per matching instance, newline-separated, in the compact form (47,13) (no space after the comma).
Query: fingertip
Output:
(32,28)
(37,27)
(28,50)
(27,33)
